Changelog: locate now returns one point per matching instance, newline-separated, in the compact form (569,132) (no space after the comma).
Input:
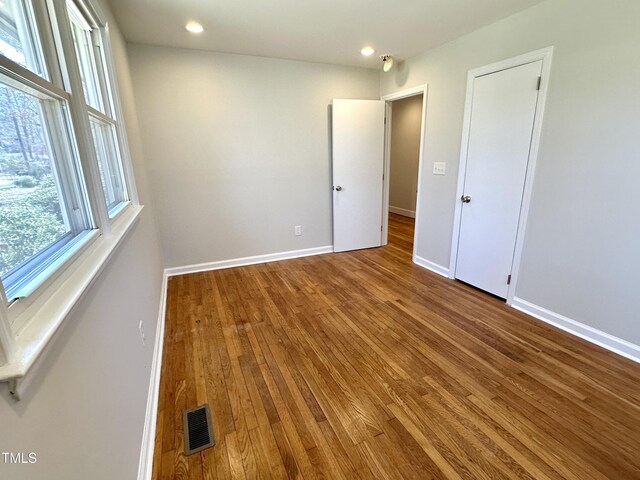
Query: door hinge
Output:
(385,120)
(509,280)
(380,227)
(539,83)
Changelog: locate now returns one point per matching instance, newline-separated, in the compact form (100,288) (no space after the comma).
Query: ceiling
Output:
(327,31)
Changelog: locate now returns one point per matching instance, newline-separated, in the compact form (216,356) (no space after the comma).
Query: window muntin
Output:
(43,204)
(19,40)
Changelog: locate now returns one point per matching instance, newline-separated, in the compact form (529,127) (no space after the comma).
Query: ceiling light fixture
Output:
(367,51)
(194,27)
(387,62)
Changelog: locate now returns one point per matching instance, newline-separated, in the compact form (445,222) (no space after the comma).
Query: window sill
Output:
(45,318)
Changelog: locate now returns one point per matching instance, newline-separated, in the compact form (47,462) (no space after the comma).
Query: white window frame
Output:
(28,324)
(112,113)
(79,219)
(23,26)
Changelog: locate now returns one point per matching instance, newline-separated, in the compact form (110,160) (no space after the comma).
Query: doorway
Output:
(405,117)
(503,116)
(404,150)
(361,161)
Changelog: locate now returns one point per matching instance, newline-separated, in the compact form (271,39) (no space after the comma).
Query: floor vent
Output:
(198,431)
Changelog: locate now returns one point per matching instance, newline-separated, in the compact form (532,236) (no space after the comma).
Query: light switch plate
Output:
(439,168)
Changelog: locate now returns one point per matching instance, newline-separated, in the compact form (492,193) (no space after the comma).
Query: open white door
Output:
(503,112)
(358,166)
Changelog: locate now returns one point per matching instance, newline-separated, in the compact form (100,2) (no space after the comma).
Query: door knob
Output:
(338,188)
(465,199)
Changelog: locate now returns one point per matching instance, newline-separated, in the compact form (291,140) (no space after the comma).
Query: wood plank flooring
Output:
(362,365)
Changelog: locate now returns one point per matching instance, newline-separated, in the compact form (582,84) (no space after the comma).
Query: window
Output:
(19,41)
(64,194)
(110,171)
(83,43)
(97,93)
(42,204)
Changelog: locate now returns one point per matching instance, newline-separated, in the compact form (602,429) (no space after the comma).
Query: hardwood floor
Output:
(363,365)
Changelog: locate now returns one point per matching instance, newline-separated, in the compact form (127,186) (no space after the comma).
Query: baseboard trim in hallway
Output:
(145,467)
(239,262)
(403,211)
(590,334)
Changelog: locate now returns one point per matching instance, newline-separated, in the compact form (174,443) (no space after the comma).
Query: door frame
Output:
(546,56)
(388,99)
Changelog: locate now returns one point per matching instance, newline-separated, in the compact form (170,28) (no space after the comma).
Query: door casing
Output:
(546,56)
(410,92)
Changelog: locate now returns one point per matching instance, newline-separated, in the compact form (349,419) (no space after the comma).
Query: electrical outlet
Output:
(142,336)
(439,168)
(298,230)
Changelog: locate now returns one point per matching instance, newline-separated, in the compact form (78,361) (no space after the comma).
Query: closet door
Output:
(502,120)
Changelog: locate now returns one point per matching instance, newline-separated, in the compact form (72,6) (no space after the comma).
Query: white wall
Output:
(406,123)
(84,413)
(238,149)
(581,255)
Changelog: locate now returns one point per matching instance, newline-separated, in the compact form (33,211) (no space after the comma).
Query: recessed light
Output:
(194,27)
(367,51)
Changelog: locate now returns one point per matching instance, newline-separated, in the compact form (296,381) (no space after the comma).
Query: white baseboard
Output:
(145,467)
(402,211)
(238,262)
(593,335)
(434,267)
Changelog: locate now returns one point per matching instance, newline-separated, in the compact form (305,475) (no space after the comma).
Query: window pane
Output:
(31,215)
(109,162)
(86,59)
(18,38)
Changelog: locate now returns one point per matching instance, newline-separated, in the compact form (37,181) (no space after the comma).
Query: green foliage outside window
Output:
(29,223)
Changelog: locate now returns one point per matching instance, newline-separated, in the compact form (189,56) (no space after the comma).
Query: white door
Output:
(502,119)
(358,165)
